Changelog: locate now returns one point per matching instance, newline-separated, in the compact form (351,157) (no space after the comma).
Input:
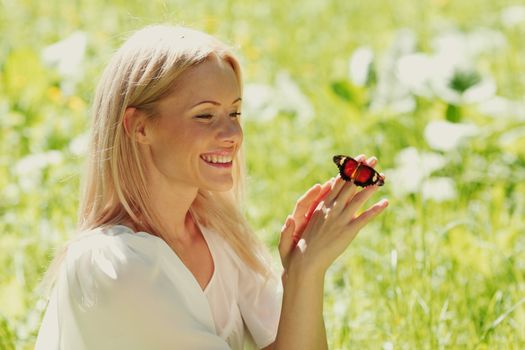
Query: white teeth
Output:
(217,159)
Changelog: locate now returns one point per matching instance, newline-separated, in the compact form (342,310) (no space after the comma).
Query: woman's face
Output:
(197,132)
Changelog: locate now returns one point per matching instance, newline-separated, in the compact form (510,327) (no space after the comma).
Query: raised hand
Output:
(324,222)
(295,223)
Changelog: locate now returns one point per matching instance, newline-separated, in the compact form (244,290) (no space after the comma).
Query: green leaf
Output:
(453,113)
(343,90)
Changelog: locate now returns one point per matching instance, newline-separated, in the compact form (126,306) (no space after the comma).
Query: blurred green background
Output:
(434,88)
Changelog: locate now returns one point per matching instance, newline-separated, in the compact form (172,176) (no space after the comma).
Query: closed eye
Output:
(204,116)
(210,116)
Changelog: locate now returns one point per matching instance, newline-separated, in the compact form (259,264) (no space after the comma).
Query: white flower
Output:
(512,136)
(292,98)
(66,54)
(485,40)
(407,179)
(501,107)
(79,145)
(390,93)
(360,65)
(439,189)
(513,15)
(340,307)
(393,96)
(446,136)
(449,72)
(29,169)
(259,102)
(263,102)
(451,46)
(426,162)
(430,76)
(388,345)
(461,48)
(405,41)
(480,92)
(413,168)
(35,162)
(393,259)
(416,71)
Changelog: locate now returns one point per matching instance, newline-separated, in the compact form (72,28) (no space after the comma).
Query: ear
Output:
(134,123)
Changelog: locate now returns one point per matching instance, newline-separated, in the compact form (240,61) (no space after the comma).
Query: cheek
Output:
(241,135)
(168,146)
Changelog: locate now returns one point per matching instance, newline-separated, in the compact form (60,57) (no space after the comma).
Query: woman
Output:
(165,259)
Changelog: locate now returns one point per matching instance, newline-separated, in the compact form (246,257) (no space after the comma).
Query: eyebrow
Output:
(214,102)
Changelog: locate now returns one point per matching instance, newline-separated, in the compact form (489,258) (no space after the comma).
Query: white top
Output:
(118,289)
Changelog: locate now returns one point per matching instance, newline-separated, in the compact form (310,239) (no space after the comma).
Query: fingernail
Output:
(383,202)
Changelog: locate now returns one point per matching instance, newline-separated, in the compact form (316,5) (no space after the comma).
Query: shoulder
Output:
(106,260)
(112,249)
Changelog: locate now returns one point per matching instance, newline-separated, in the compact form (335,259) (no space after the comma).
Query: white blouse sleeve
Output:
(109,296)
(260,302)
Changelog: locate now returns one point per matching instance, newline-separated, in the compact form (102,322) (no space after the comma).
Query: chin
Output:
(219,187)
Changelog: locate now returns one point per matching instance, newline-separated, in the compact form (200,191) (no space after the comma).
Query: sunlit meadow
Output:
(435,89)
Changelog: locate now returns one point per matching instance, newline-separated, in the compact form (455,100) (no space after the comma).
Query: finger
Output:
(334,191)
(360,158)
(346,194)
(358,200)
(371,162)
(369,215)
(286,242)
(303,204)
(325,189)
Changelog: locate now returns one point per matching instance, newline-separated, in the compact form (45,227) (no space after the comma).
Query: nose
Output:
(230,132)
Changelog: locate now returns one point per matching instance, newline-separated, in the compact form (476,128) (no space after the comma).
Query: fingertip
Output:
(372,161)
(382,204)
(287,223)
(338,179)
(360,158)
(313,191)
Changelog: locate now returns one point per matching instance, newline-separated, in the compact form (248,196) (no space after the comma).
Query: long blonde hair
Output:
(140,74)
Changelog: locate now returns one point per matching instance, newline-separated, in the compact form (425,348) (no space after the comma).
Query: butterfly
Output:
(362,174)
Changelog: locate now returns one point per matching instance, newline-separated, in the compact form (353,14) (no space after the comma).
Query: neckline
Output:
(213,258)
(164,244)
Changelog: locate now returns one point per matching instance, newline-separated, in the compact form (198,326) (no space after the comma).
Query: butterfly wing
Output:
(362,175)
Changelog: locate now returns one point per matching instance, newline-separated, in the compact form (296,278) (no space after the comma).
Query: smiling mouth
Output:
(220,161)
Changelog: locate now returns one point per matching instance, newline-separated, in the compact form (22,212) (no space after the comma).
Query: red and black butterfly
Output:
(362,174)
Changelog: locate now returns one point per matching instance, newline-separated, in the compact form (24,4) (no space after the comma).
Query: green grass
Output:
(428,274)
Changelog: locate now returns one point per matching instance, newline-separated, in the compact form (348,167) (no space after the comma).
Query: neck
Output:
(171,203)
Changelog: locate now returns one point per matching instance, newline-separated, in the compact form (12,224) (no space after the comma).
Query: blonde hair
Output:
(140,74)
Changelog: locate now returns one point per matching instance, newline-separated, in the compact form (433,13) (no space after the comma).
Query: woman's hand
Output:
(324,223)
(295,223)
